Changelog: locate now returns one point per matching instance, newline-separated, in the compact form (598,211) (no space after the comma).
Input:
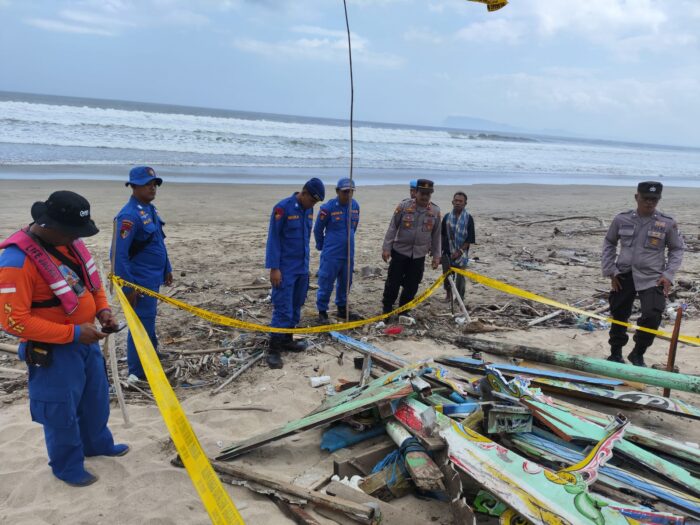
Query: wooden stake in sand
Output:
(455,294)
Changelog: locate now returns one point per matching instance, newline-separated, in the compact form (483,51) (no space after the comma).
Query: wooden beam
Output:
(362,512)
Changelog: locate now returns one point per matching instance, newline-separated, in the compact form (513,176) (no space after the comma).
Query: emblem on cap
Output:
(151,172)
(652,189)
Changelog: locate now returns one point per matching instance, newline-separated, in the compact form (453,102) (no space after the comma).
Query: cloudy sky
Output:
(621,69)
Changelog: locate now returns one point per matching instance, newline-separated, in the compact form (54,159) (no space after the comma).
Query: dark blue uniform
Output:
(331,234)
(140,257)
(288,250)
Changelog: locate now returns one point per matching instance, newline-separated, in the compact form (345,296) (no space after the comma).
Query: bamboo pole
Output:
(458,298)
(672,347)
(649,376)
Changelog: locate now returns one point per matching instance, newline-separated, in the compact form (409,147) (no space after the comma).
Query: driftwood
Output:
(358,511)
(570,218)
(250,407)
(11,349)
(16,371)
(238,372)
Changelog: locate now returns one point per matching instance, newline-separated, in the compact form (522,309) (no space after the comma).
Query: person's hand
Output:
(615,284)
(386,255)
(90,334)
(456,255)
(133,297)
(168,279)
(107,320)
(665,283)
(436,262)
(276,277)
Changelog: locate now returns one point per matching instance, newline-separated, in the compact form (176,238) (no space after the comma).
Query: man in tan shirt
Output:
(414,231)
(642,268)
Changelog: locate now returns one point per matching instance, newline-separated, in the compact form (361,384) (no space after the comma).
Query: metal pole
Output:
(674,344)
(352,155)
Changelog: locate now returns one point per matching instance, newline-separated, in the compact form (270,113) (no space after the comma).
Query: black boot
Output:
(273,358)
(323,317)
(343,314)
(636,356)
(290,345)
(616,354)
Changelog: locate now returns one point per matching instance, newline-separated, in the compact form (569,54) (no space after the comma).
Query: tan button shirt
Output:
(643,242)
(414,230)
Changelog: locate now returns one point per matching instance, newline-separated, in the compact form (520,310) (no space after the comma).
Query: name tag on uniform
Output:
(292,217)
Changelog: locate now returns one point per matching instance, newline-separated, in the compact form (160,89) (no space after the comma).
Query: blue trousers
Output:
(146,309)
(287,301)
(332,271)
(70,398)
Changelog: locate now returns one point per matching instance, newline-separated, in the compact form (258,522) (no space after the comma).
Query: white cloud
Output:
(597,17)
(113,17)
(496,30)
(320,44)
(64,27)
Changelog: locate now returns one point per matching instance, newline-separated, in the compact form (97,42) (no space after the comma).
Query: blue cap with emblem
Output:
(316,189)
(142,175)
(414,184)
(650,188)
(345,184)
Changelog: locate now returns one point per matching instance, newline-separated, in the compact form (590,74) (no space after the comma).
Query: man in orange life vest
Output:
(50,295)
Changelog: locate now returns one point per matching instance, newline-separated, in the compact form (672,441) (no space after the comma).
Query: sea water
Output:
(48,137)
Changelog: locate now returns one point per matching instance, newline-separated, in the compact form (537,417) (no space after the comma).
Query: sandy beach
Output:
(216,239)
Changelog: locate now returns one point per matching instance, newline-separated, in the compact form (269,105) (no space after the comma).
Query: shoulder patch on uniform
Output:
(278,212)
(322,214)
(125,228)
(12,257)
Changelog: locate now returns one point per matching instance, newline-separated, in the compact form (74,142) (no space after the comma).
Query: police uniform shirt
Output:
(139,228)
(288,237)
(414,231)
(643,242)
(331,229)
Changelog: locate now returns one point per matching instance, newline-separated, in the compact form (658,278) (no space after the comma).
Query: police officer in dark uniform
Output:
(642,268)
(139,254)
(413,232)
(287,257)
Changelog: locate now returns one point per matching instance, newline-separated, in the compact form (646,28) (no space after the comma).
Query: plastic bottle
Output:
(319,381)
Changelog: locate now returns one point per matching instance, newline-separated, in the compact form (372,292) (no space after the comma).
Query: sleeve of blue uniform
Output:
(124,238)
(357,222)
(168,267)
(320,228)
(273,250)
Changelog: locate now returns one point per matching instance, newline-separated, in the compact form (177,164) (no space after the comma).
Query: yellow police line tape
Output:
(478,278)
(215,499)
(512,290)
(243,325)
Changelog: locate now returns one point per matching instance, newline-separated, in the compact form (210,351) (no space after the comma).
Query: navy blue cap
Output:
(345,184)
(414,184)
(142,175)
(316,189)
(424,185)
